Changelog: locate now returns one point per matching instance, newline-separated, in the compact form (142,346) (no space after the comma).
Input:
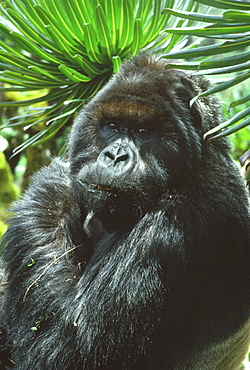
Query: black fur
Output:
(146,268)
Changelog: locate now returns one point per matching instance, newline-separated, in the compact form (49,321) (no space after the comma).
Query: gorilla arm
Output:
(39,248)
(117,298)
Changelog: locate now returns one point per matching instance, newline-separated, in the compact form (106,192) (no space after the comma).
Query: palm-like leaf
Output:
(72,47)
(232,26)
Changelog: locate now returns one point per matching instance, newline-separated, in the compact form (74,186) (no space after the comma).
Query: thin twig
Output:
(46,268)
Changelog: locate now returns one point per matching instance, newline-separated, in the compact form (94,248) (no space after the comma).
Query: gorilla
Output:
(134,253)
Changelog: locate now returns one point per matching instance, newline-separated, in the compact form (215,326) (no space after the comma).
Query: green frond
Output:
(233,27)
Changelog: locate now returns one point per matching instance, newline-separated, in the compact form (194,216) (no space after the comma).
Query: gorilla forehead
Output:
(151,79)
(127,107)
(144,91)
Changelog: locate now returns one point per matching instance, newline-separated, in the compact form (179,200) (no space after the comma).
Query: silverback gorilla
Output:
(134,254)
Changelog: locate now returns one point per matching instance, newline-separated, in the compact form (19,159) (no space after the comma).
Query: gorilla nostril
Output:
(121,158)
(109,155)
(118,158)
(116,154)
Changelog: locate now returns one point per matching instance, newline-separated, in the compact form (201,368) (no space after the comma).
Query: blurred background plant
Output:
(229,58)
(67,50)
(56,54)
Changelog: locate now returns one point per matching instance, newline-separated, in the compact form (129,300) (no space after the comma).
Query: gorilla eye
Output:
(113,126)
(142,130)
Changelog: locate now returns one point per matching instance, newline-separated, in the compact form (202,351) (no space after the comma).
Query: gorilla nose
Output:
(118,157)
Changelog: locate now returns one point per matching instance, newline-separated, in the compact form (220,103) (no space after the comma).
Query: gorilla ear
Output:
(187,93)
(195,111)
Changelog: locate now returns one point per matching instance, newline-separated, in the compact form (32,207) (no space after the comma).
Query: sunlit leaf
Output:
(227,4)
(138,37)
(73,74)
(91,44)
(212,30)
(236,16)
(110,10)
(232,69)
(126,26)
(194,16)
(225,62)
(154,30)
(72,47)
(243,100)
(116,63)
(208,136)
(104,36)
(225,85)
(229,122)
(209,50)
(87,66)
(49,76)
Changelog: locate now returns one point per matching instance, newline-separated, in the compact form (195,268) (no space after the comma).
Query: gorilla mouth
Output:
(96,188)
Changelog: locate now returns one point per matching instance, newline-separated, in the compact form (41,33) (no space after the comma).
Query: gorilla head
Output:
(138,138)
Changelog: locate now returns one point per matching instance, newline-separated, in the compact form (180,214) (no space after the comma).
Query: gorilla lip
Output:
(95,188)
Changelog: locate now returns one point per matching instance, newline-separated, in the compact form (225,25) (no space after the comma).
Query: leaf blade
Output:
(72,74)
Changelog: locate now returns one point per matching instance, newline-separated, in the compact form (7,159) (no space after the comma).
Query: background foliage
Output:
(230,57)
(68,49)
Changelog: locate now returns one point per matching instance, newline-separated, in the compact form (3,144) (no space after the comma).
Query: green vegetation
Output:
(9,191)
(230,57)
(71,48)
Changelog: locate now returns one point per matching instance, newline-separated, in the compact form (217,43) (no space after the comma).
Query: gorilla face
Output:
(137,139)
